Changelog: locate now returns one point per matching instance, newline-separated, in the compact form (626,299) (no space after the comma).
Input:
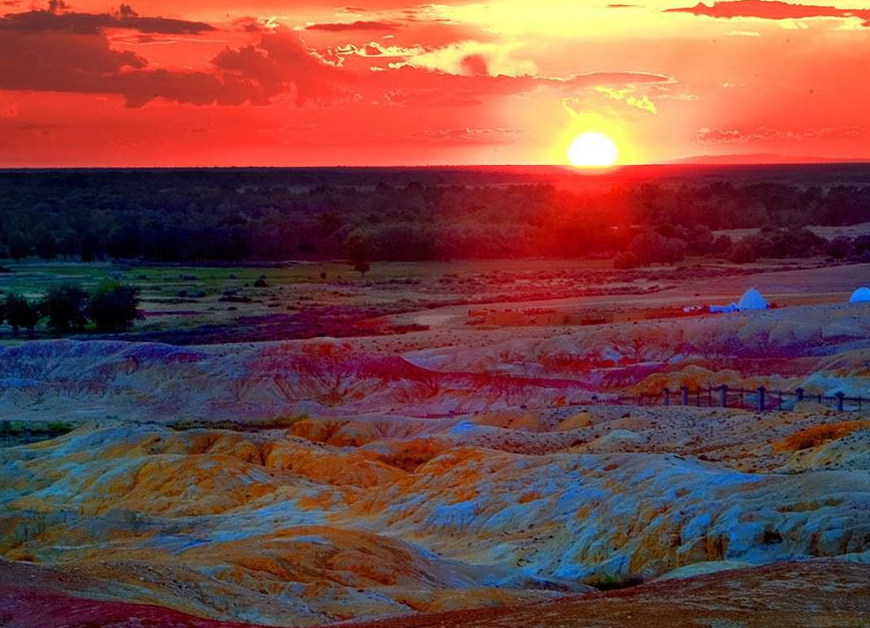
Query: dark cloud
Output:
(56,20)
(58,51)
(70,62)
(359,25)
(85,63)
(769,10)
(281,64)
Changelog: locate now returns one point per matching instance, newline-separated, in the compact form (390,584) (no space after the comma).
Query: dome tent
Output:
(752,300)
(861,295)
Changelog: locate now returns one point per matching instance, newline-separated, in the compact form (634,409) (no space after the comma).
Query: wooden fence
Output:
(761,399)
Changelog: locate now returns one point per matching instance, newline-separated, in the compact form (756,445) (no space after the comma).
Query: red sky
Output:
(403,82)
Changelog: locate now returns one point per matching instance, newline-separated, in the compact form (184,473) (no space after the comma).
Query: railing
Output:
(761,399)
(757,400)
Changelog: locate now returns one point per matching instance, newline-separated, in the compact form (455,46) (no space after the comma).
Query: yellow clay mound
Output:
(410,455)
(575,422)
(819,435)
(335,432)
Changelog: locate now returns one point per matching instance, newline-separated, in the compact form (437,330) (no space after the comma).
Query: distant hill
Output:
(751,159)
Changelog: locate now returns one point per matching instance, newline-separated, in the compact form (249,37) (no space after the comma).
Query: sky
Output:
(406,82)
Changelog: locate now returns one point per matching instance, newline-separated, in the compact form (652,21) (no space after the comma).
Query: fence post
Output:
(667,392)
(710,395)
(840,396)
(761,391)
(723,396)
(685,394)
(800,394)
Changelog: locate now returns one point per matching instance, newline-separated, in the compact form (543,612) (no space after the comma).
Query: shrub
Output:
(21,312)
(742,253)
(114,307)
(651,248)
(610,581)
(626,260)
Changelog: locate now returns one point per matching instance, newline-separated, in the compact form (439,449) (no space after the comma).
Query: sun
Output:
(593,150)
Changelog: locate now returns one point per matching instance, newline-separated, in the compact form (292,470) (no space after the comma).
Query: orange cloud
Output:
(626,95)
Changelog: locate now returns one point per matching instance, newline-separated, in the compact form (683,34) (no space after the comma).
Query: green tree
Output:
(65,308)
(742,253)
(46,247)
(114,306)
(359,253)
(90,247)
(20,312)
(19,245)
(626,261)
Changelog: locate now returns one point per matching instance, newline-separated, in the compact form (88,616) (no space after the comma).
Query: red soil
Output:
(35,608)
(831,594)
(815,594)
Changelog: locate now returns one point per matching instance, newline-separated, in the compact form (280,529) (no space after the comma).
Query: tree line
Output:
(111,307)
(274,215)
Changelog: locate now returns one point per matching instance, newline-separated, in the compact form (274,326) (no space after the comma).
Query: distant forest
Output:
(426,214)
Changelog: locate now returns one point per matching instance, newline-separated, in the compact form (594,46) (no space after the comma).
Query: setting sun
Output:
(593,150)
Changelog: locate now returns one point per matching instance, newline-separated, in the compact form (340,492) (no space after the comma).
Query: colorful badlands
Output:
(311,482)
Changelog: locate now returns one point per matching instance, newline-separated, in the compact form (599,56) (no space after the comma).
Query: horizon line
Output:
(578,170)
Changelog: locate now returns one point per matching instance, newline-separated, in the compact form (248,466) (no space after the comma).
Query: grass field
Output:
(208,304)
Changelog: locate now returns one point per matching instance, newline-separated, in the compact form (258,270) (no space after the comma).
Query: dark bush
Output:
(652,248)
(840,248)
(114,307)
(742,253)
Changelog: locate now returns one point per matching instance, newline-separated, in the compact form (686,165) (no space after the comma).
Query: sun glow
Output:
(593,150)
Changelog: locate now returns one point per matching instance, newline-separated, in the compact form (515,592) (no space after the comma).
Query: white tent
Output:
(752,300)
(861,295)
